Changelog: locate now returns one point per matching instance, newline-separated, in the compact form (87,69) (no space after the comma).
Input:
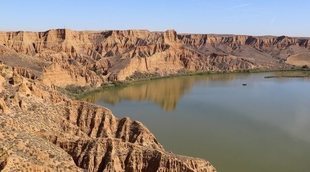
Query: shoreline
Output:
(79,92)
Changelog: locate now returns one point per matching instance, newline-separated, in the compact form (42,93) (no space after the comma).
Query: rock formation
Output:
(42,130)
(92,58)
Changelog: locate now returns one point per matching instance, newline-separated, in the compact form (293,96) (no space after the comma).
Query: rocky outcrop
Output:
(42,130)
(115,155)
(93,58)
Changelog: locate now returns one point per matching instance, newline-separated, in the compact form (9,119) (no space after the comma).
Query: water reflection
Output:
(263,126)
(164,92)
(290,74)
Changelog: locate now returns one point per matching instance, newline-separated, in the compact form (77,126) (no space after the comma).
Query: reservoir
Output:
(240,122)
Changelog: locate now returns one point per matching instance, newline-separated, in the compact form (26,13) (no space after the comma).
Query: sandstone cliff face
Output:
(41,130)
(93,58)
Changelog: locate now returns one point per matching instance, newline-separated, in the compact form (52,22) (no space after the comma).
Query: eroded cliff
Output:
(93,58)
(42,130)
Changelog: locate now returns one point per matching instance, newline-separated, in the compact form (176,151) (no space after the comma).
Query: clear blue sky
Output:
(255,17)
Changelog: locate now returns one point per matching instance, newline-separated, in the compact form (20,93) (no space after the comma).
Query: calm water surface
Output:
(264,126)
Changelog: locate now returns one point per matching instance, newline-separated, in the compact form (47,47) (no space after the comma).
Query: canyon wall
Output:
(65,57)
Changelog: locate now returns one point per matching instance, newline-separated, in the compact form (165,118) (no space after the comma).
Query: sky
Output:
(251,17)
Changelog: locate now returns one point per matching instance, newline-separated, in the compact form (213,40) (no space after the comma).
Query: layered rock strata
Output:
(93,58)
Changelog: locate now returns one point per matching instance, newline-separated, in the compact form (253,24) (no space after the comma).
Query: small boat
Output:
(244,84)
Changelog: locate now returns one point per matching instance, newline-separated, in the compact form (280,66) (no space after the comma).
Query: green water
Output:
(264,126)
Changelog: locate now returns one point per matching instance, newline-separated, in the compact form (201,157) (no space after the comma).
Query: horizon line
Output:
(150,30)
